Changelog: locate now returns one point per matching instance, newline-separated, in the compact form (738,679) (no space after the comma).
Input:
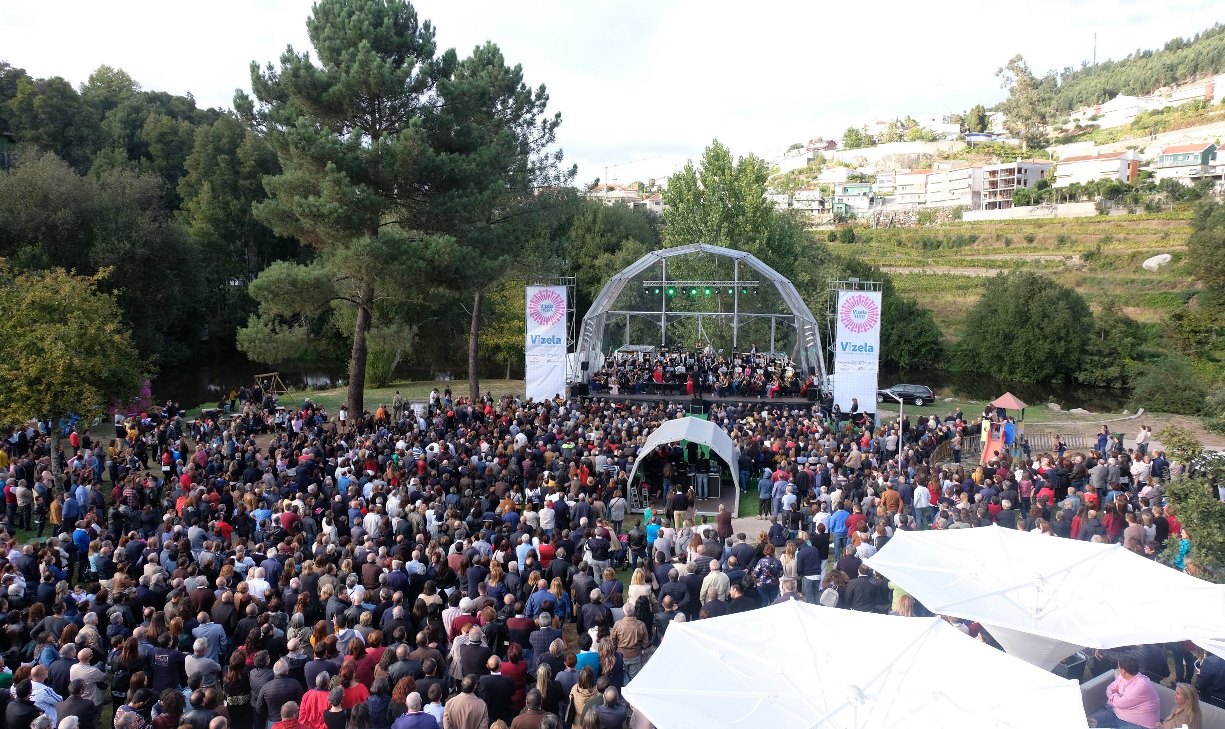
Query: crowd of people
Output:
(470,565)
(750,374)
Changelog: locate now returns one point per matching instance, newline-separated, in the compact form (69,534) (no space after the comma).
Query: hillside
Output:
(1178,61)
(946,267)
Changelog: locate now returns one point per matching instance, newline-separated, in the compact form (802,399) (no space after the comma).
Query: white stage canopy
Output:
(797,665)
(1043,598)
(695,430)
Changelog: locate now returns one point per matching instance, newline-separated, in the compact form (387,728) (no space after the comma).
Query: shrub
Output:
(1029,237)
(831,236)
(1169,385)
(846,235)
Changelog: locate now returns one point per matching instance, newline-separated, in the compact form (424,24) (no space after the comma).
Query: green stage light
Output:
(708,292)
(744,291)
(730,291)
(693,292)
(657,291)
(671,292)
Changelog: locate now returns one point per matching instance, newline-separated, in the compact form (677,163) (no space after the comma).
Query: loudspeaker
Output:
(580,389)
(812,370)
(584,365)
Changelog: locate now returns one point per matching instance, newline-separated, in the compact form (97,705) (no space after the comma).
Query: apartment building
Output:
(1121,166)
(1000,181)
(954,187)
(910,188)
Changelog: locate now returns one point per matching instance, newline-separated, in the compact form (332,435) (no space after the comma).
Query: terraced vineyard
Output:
(948,267)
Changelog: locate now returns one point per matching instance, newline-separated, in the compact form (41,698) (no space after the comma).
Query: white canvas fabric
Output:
(696,430)
(1041,596)
(800,665)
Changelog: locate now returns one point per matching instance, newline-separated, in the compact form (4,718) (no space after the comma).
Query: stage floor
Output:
(705,507)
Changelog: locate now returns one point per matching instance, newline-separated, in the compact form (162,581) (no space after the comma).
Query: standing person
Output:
(617,509)
(808,568)
(765,487)
(91,675)
(922,503)
(1142,437)
(465,710)
(679,505)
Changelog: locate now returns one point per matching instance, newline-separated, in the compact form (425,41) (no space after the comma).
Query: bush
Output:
(846,235)
(831,236)
(1169,385)
(1028,328)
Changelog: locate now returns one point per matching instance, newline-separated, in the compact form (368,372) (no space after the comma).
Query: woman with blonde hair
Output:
(905,607)
(788,560)
(561,600)
(640,586)
(1186,712)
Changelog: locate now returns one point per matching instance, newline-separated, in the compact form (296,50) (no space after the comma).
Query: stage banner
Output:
(857,349)
(544,349)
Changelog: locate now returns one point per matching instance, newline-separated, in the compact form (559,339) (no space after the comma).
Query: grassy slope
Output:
(1100,257)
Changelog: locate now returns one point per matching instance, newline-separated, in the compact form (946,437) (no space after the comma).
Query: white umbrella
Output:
(799,665)
(1043,598)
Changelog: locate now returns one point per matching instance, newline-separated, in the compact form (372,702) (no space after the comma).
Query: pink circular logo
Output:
(858,314)
(546,307)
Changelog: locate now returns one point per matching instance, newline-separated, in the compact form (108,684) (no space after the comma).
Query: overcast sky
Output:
(641,86)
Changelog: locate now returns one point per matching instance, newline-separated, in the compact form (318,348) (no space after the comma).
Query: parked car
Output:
(914,394)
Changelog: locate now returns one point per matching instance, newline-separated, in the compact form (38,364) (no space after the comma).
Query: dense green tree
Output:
(1113,351)
(350,135)
(721,201)
(398,164)
(1025,328)
(597,230)
(73,356)
(893,132)
(1193,499)
(106,88)
(854,138)
(909,338)
(1169,385)
(50,216)
(9,76)
(495,174)
(223,181)
(1206,251)
(49,113)
(976,119)
(1025,109)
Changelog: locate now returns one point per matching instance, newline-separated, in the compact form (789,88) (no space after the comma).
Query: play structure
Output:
(1001,434)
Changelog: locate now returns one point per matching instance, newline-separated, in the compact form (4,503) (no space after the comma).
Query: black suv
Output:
(915,394)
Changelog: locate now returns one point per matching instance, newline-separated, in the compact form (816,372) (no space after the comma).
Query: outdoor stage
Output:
(701,404)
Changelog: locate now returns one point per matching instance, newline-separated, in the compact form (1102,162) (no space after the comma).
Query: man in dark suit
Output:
(75,704)
(497,691)
(57,672)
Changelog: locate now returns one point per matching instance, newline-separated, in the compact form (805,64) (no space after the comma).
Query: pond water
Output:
(205,384)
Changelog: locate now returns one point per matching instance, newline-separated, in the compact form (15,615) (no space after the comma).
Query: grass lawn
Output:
(412,390)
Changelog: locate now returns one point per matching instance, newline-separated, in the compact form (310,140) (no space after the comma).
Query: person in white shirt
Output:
(256,584)
(922,502)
